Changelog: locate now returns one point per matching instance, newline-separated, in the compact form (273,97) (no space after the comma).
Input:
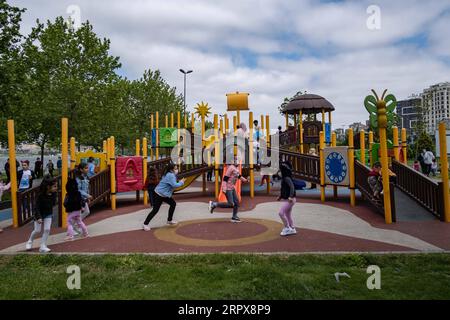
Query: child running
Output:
(45,202)
(163,193)
(287,195)
(228,187)
(74,205)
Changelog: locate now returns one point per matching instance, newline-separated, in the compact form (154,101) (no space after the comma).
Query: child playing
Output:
(287,194)
(83,187)
(374,180)
(434,167)
(416,165)
(163,193)
(228,187)
(43,213)
(73,203)
(151,183)
(3,188)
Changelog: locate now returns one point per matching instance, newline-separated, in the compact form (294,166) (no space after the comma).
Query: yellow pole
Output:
(171,120)
(112,154)
(300,133)
(329,118)
(108,150)
(73,153)
(216,155)
(138,154)
(396,144)
(65,171)
(322,165)
(234,124)
(151,130)
(362,144)
(138,148)
(262,123)
(287,120)
(105,151)
(268,148)
(203,144)
(179,135)
(157,135)
(444,169)
(371,148)
(221,127)
(250,155)
(185,121)
(404,147)
(144,169)
(385,176)
(238,115)
(227,125)
(193,122)
(333,144)
(167,121)
(351,160)
(13,172)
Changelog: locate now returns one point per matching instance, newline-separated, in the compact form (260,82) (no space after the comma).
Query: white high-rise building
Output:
(436,104)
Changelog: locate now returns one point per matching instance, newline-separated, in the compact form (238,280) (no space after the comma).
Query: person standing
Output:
(428,158)
(46,200)
(313,152)
(38,168)
(50,167)
(163,193)
(59,165)
(7,170)
(287,195)
(91,167)
(228,187)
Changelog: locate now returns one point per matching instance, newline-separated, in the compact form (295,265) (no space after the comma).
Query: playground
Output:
(340,215)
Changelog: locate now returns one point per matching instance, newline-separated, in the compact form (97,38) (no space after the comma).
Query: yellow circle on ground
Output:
(171,235)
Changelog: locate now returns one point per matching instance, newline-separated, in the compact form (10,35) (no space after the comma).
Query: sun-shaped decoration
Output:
(202,109)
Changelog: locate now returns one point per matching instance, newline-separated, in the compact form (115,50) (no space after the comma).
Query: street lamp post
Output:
(184,96)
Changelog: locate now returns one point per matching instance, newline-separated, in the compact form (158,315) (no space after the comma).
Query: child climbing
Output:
(163,193)
(73,203)
(228,187)
(287,195)
(43,213)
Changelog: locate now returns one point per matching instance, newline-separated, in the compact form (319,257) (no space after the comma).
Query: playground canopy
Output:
(308,104)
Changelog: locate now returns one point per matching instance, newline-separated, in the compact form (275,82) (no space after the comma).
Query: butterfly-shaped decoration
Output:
(381,111)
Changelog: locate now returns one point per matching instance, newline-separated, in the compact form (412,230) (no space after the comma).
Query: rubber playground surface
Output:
(331,227)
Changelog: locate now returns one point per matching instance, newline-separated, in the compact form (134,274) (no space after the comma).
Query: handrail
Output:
(422,189)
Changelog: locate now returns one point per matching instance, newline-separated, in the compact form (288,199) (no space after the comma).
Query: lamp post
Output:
(184,96)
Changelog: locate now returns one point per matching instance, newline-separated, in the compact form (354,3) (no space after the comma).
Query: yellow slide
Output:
(188,182)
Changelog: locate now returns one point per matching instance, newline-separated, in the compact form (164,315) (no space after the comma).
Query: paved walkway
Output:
(330,227)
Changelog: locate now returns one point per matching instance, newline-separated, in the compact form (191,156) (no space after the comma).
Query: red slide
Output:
(237,186)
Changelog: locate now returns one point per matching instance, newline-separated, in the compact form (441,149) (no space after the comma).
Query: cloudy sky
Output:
(273,48)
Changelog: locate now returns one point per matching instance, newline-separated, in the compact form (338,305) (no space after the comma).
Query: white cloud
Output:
(339,58)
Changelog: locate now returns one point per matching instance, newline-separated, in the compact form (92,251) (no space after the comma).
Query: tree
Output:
(11,78)
(68,72)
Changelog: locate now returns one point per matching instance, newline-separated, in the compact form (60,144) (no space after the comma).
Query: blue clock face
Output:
(335,167)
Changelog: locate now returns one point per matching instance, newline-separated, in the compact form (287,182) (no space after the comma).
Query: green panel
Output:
(358,155)
(375,148)
(167,137)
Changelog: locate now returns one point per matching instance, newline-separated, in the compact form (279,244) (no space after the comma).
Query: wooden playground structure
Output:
(295,142)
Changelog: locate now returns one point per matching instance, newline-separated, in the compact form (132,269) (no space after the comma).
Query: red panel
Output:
(129,174)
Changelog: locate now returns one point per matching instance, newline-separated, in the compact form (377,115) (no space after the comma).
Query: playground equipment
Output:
(335,166)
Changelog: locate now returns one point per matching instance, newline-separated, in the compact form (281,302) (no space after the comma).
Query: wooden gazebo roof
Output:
(308,104)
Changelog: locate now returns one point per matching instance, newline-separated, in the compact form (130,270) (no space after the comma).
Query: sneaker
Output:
(284,232)
(211,207)
(145,227)
(292,231)
(69,238)
(29,245)
(86,235)
(44,250)
(172,223)
(236,220)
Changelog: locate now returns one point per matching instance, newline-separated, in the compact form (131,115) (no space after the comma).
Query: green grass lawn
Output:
(225,276)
